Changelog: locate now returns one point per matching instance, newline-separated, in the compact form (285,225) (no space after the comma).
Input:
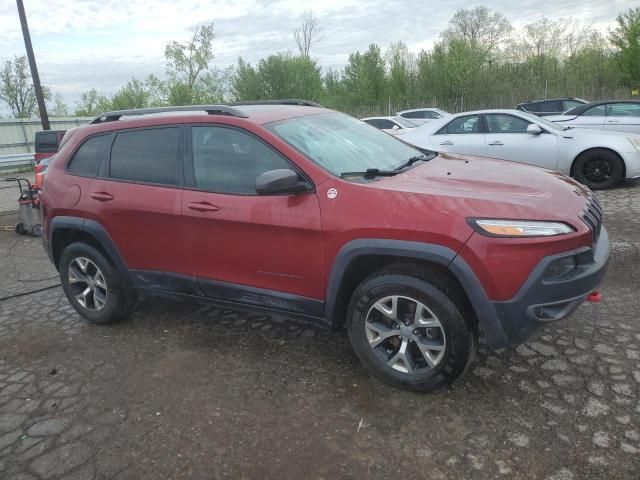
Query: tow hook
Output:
(594,297)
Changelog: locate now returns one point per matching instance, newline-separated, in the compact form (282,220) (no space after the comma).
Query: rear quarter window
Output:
(86,160)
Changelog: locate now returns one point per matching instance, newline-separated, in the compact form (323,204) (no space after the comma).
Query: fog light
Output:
(560,268)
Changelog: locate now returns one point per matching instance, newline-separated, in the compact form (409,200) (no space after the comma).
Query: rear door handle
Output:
(496,144)
(202,207)
(102,196)
(446,143)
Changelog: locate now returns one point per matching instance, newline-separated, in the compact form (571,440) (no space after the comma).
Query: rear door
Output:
(507,138)
(137,199)
(239,241)
(623,117)
(461,135)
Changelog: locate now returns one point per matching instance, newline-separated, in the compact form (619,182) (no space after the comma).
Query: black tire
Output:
(120,298)
(442,297)
(20,230)
(598,169)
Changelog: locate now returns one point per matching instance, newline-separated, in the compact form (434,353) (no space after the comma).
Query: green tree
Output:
(246,83)
(16,88)
(186,62)
(401,65)
(365,77)
(480,27)
(92,103)
(57,107)
(287,76)
(626,38)
(135,94)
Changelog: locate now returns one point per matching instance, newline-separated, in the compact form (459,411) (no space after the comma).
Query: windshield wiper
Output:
(411,161)
(370,172)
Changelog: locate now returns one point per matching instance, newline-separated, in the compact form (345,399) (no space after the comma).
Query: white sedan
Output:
(420,116)
(619,116)
(597,158)
(391,125)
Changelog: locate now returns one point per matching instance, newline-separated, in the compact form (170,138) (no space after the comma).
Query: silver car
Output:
(619,116)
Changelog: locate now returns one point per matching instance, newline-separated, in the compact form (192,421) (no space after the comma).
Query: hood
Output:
(460,185)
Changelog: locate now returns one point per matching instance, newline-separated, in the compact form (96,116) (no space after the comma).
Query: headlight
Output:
(521,228)
(635,141)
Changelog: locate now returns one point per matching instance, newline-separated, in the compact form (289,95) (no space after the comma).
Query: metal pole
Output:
(44,118)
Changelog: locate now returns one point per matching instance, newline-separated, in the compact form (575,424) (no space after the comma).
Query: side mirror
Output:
(534,129)
(279,181)
(395,127)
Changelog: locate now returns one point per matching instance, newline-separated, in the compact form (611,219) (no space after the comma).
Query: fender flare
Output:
(443,256)
(94,229)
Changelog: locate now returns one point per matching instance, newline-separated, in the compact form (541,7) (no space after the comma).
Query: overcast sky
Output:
(84,44)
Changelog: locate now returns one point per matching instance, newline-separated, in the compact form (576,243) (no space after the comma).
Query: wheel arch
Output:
(586,150)
(66,230)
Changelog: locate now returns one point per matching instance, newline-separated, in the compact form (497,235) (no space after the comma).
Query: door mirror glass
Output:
(395,127)
(534,129)
(280,181)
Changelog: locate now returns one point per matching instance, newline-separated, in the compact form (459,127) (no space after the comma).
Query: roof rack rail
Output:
(210,109)
(286,101)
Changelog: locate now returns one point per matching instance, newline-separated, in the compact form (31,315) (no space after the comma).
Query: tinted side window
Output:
(149,156)
(594,112)
(380,123)
(623,109)
(499,123)
(461,125)
(431,115)
(86,160)
(227,160)
(532,107)
(418,114)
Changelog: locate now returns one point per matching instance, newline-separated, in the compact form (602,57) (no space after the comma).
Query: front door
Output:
(461,135)
(507,138)
(245,247)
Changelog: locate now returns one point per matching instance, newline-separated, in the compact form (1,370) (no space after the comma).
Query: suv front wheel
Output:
(93,286)
(409,327)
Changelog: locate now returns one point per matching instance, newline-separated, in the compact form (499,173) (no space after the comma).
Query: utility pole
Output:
(44,118)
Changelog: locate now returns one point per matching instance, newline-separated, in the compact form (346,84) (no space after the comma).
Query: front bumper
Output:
(541,300)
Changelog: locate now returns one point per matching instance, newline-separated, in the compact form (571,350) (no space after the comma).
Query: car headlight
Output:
(635,141)
(521,228)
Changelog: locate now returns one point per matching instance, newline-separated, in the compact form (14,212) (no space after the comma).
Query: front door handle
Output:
(102,196)
(496,143)
(613,121)
(202,207)
(446,143)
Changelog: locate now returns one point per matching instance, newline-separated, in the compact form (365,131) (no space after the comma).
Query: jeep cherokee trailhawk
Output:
(289,206)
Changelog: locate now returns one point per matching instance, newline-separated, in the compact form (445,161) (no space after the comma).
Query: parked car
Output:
(597,159)
(309,212)
(46,143)
(420,116)
(550,106)
(619,116)
(391,125)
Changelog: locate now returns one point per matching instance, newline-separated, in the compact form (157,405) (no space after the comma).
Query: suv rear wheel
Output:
(408,326)
(93,286)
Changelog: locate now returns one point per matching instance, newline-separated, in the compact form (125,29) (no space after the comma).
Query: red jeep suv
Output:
(288,206)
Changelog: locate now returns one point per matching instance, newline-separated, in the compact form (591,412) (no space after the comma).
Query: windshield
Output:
(339,143)
(542,121)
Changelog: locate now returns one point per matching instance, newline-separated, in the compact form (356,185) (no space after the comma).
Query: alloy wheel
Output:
(405,334)
(87,283)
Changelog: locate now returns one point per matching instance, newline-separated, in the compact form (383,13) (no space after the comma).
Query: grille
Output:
(592,216)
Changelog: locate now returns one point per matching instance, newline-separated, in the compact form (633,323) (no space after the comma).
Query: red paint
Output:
(288,243)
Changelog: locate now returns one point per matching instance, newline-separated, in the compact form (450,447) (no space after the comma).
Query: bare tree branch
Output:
(308,33)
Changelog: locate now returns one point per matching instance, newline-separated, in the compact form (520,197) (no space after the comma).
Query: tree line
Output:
(479,60)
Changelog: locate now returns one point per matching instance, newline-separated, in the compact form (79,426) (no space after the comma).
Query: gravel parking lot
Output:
(188,391)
